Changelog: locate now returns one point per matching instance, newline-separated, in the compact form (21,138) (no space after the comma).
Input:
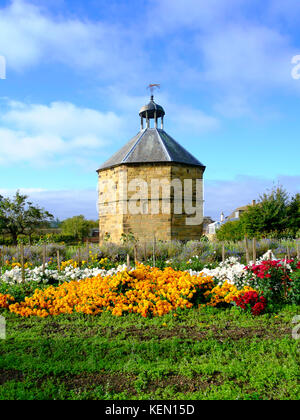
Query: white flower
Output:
(37,275)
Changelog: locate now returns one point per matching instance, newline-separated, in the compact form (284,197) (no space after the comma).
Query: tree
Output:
(293,213)
(55,224)
(77,226)
(18,216)
(230,231)
(270,214)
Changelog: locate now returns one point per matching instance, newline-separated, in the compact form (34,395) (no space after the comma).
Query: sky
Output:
(76,77)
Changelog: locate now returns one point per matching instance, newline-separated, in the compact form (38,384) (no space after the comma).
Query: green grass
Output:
(206,354)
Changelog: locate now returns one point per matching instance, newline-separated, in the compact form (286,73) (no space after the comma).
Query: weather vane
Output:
(152,87)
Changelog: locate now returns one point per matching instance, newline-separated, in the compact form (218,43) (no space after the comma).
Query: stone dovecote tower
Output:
(134,184)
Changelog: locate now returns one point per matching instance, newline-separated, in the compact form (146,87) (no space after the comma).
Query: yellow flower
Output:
(145,290)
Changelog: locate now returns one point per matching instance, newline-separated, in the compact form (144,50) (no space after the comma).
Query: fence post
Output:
(145,251)
(87,251)
(154,250)
(44,257)
(284,283)
(298,249)
(223,252)
(247,250)
(128,262)
(58,261)
(22,262)
(288,252)
(135,253)
(254,250)
(79,257)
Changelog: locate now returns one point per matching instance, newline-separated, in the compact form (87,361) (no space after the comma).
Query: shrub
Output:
(6,241)
(251,301)
(294,293)
(273,279)
(231,231)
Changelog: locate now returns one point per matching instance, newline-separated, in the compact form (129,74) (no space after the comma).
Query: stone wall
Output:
(109,222)
(165,225)
(179,227)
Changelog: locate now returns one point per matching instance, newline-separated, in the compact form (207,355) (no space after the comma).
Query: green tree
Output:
(230,231)
(270,214)
(18,216)
(55,224)
(78,227)
(293,213)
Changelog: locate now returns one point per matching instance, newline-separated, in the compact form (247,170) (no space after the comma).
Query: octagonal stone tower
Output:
(151,186)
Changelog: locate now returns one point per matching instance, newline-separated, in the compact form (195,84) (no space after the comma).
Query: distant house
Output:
(236,214)
(206,222)
(211,228)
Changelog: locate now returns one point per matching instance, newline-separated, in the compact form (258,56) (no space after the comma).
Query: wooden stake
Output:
(154,250)
(128,262)
(288,252)
(58,261)
(298,250)
(254,250)
(44,257)
(135,253)
(284,282)
(79,257)
(247,250)
(87,251)
(223,252)
(22,262)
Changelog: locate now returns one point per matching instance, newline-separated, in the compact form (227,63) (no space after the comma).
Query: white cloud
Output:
(30,36)
(47,132)
(25,191)
(61,118)
(201,43)
(188,120)
(169,15)
(238,49)
(244,54)
(234,106)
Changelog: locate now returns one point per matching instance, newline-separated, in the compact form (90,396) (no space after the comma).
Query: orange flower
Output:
(145,290)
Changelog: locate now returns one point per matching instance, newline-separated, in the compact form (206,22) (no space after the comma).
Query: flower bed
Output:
(150,291)
(145,290)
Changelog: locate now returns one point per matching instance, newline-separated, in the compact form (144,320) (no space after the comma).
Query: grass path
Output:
(206,354)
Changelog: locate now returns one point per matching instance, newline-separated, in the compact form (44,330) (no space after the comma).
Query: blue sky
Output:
(76,78)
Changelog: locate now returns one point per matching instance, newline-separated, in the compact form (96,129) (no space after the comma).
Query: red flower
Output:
(252,301)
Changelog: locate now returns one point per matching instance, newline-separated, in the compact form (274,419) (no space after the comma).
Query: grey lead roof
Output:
(149,146)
